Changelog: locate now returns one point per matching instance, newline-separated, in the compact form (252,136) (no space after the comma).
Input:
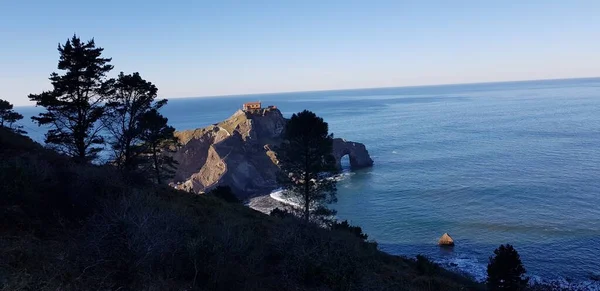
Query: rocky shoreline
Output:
(264,203)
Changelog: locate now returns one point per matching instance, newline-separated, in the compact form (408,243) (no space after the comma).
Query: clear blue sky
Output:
(203,48)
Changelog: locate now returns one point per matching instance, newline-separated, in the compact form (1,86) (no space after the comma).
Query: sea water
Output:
(494,163)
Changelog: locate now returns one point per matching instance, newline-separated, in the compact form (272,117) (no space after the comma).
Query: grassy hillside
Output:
(69,227)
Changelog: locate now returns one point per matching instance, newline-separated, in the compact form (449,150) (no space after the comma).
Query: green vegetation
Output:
(71,226)
(8,117)
(505,270)
(345,226)
(306,160)
(225,193)
(426,267)
(75,105)
(157,137)
(84,106)
(132,98)
(281,213)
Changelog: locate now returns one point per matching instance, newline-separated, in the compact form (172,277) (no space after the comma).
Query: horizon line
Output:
(365,88)
(385,87)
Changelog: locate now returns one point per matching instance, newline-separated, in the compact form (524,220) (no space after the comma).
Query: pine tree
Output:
(306,162)
(75,105)
(158,138)
(505,270)
(8,117)
(132,98)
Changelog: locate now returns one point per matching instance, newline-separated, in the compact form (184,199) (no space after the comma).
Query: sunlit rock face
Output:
(239,152)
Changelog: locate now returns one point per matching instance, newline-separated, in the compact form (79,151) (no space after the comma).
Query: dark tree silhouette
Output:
(8,117)
(426,267)
(132,98)
(505,270)
(281,213)
(158,138)
(306,160)
(75,105)
(345,226)
(225,193)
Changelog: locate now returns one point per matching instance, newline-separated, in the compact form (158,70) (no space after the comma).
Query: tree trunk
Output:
(127,163)
(306,181)
(81,157)
(156,170)
(306,198)
(79,142)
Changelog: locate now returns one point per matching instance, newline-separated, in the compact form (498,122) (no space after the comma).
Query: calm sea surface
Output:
(492,163)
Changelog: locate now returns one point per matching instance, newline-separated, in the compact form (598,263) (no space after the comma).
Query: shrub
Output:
(281,213)
(225,193)
(505,270)
(426,267)
(345,226)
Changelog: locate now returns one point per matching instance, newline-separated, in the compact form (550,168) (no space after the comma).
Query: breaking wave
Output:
(477,270)
(279,194)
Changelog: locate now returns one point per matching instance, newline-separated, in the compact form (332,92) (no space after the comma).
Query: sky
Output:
(211,48)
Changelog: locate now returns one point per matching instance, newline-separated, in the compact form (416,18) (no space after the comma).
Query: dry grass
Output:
(233,122)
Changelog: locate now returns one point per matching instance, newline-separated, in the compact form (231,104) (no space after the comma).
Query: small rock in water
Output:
(446,240)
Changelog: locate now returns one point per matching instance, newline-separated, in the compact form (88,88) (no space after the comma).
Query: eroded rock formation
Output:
(238,152)
(357,153)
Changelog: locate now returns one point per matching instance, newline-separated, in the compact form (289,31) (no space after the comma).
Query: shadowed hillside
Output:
(80,227)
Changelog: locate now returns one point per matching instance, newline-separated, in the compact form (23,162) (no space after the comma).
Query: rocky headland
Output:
(240,152)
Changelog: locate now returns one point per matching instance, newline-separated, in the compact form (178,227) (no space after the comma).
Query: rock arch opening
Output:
(355,154)
(345,163)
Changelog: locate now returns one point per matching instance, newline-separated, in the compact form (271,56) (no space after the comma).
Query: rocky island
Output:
(240,152)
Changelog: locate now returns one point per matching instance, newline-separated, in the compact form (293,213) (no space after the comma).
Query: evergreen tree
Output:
(306,160)
(158,138)
(505,270)
(75,105)
(132,98)
(346,226)
(8,117)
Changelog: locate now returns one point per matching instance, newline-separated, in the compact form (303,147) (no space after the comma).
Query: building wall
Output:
(249,106)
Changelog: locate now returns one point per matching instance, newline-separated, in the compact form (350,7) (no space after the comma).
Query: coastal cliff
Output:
(239,152)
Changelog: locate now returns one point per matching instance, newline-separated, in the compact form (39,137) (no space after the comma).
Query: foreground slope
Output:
(73,227)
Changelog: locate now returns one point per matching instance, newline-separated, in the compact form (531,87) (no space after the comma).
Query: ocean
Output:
(491,163)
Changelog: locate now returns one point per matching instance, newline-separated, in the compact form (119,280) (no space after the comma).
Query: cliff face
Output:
(238,152)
